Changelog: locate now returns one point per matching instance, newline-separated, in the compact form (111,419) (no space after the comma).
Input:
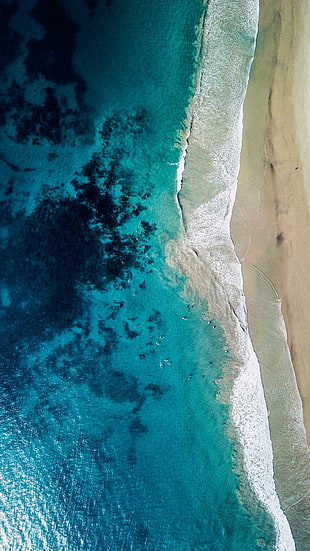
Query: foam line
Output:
(207,177)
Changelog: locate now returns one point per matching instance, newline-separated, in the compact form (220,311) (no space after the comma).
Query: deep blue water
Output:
(112,435)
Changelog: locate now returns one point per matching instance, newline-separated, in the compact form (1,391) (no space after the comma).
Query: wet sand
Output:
(205,254)
(271,231)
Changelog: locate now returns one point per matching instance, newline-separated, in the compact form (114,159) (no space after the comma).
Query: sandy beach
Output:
(271,232)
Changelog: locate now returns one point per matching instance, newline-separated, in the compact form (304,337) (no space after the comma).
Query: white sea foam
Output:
(181,164)
(207,184)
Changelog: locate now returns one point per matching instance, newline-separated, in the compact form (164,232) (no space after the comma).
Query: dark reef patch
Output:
(131,333)
(137,429)
(154,390)
(39,106)
(70,245)
(10,40)
(59,251)
(121,388)
(93,5)
(52,57)
(83,362)
(52,120)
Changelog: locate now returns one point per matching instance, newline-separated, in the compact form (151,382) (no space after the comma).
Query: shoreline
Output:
(270,229)
(207,257)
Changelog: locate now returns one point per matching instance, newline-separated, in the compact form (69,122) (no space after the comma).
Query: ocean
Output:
(118,401)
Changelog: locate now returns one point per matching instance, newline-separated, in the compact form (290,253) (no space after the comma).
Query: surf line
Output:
(249,416)
(198,74)
(182,162)
(180,172)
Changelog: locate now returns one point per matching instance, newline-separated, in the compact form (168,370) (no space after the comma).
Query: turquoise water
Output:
(112,434)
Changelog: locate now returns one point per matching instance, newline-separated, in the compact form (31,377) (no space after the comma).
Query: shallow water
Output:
(112,433)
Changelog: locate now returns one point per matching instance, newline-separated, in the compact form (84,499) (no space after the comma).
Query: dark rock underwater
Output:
(113,437)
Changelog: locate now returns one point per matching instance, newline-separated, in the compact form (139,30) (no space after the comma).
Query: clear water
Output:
(112,434)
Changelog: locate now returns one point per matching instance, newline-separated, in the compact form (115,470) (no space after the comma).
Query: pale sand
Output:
(271,231)
(205,255)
